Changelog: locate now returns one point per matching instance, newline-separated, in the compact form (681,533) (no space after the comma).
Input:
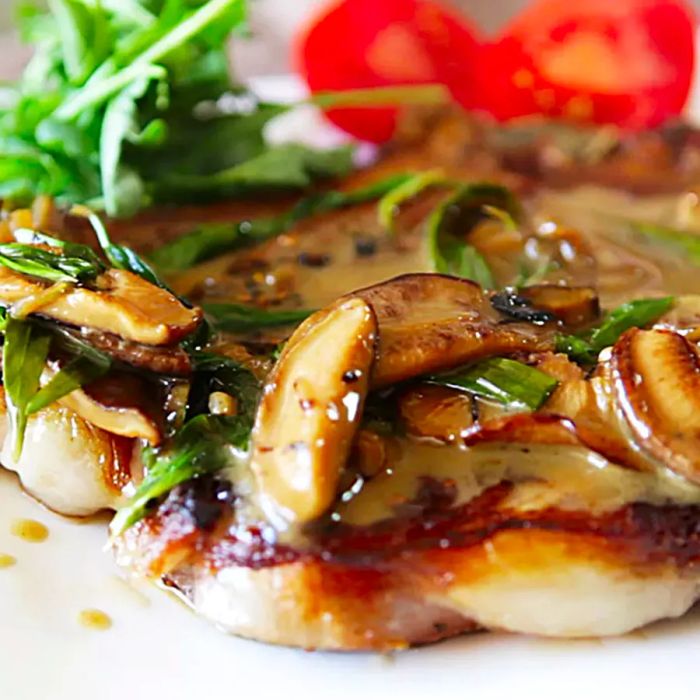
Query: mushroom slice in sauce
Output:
(122,303)
(432,322)
(119,403)
(168,360)
(574,306)
(311,408)
(656,378)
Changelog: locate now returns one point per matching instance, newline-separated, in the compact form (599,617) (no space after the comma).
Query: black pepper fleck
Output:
(313,259)
(365,246)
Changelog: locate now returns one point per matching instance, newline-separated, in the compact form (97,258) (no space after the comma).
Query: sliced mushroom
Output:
(574,306)
(119,403)
(170,360)
(433,322)
(436,412)
(683,317)
(122,303)
(310,411)
(656,378)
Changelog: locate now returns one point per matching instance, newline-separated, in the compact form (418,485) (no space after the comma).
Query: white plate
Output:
(157,648)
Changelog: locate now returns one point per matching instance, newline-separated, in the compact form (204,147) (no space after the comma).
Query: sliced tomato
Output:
(626,62)
(373,43)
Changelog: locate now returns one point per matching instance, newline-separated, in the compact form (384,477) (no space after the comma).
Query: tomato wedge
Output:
(627,62)
(373,43)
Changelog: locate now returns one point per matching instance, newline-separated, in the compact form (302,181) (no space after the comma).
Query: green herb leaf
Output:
(451,222)
(120,256)
(200,447)
(24,356)
(503,380)
(382,96)
(685,242)
(214,372)
(633,314)
(47,265)
(291,166)
(390,203)
(77,373)
(238,318)
(210,240)
(97,92)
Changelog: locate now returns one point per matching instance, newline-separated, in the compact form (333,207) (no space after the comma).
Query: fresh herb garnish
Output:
(47,264)
(202,446)
(238,318)
(79,371)
(390,203)
(633,314)
(684,242)
(500,379)
(24,356)
(108,109)
(450,223)
(209,240)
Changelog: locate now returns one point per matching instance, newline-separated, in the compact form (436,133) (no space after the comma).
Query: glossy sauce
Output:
(6,561)
(349,250)
(95,619)
(565,477)
(30,530)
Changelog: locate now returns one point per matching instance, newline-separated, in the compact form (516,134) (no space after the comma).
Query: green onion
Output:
(633,314)
(390,203)
(506,381)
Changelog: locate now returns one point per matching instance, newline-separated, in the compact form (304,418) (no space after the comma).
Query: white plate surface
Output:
(158,649)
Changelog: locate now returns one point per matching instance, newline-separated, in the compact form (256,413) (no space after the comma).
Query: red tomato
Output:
(627,62)
(374,43)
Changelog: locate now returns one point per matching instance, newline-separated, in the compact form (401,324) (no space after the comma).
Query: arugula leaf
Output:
(633,314)
(24,356)
(209,240)
(96,92)
(123,191)
(506,381)
(450,223)
(238,318)
(290,166)
(200,447)
(48,265)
